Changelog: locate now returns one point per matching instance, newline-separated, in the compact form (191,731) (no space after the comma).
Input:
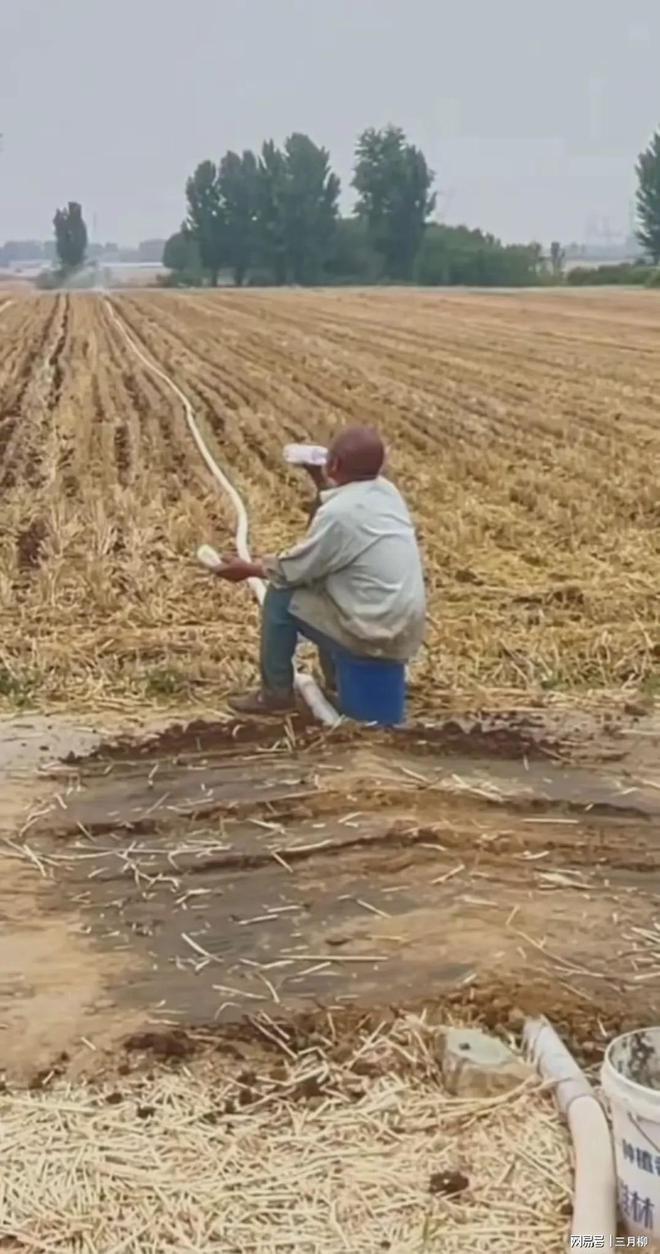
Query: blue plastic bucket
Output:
(371,690)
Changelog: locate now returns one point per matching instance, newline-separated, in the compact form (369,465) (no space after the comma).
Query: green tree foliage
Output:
(648,198)
(352,259)
(276,216)
(394,184)
(181,257)
(297,212)
(627,274)
(310,208)
(275,219)
(458,256)
(205,221)
(70,236)
(272,211)
(557,259)
(238,192)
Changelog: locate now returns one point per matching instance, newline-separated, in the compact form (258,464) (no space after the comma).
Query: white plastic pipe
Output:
(308,689)
(594,1201)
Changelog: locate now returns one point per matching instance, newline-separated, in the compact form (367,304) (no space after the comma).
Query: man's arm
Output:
(326,548)
(313,509)
(320,480)
(236,570)
(318,476)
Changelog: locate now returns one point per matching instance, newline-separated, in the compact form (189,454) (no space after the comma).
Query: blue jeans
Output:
(280,630)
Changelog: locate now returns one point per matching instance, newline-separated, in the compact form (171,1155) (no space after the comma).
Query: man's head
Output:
(356,453)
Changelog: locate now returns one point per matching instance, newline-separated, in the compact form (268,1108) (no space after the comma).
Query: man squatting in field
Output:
(355,580)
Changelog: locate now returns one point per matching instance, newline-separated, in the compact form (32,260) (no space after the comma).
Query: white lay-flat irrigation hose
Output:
(594,1200)
(305,684)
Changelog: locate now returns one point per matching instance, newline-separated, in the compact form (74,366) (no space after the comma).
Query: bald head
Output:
(356,453)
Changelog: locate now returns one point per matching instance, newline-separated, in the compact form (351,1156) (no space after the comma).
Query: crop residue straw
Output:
(538,584)
(312,1154)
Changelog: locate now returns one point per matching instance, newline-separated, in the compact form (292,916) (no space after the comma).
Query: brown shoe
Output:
(263,702)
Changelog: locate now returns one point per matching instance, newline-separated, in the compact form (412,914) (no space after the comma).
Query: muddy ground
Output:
(198,877)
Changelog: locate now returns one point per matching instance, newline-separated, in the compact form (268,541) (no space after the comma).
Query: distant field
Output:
(523,428)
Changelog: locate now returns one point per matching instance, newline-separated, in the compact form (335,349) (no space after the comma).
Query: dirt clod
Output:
(175,1044)
(449,1183)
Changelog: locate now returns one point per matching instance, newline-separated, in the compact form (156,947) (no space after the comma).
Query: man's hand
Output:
(236,570)
(317,475)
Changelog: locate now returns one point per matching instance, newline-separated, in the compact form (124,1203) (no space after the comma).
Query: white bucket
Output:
(630,1077)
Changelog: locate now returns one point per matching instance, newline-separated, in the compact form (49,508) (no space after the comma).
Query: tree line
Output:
(624,273)
(274,218)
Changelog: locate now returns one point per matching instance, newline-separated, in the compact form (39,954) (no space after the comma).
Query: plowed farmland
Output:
(523,430)
(228,950)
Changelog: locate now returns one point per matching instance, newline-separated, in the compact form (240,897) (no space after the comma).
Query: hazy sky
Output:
(531,112)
